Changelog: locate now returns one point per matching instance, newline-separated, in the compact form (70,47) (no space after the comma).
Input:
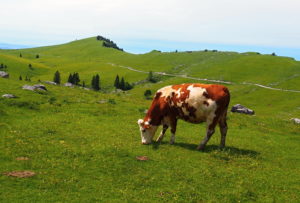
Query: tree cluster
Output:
(3,66)
(74,78)
(96,82)
(122,84)
(108,43)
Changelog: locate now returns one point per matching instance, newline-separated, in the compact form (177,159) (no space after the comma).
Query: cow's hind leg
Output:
(162,133)
(173,131)
(223,130)
(209,132)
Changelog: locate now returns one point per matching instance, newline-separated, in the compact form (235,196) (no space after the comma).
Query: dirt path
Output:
(205,79)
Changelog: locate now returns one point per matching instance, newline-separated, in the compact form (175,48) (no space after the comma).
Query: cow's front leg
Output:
(162,133)
(173,131)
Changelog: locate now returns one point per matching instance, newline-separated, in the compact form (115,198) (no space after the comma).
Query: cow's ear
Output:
(140,122)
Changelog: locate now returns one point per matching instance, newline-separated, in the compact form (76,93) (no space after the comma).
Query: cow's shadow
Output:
(211,148)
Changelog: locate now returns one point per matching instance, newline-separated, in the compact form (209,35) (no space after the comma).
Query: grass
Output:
(82,144)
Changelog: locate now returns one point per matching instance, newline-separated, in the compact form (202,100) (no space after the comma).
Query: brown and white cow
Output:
(194,103)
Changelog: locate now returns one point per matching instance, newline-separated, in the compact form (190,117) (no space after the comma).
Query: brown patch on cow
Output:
(205,94)
(206,103)
(142,158)
(22,158)
(157,95)
(20,174)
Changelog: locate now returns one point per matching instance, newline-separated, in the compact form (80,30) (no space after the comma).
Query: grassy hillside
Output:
(82,144)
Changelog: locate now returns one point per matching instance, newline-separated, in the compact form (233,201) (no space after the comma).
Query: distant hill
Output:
(89,56)
(13,46)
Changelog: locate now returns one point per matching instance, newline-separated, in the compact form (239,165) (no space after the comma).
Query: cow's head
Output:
(147,131)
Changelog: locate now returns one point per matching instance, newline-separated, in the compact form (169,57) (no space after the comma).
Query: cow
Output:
(194,103)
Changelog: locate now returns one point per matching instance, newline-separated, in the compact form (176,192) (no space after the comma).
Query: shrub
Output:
(148,94)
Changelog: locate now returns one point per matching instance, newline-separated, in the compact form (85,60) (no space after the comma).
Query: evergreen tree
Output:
(20,77)
(70,79)
(56,77)
(93,83)
(150,77)
(117,82)
(83,84)
(76,79)
(122,84)
(1,66)
(20,55)
(97,82)
(37,56)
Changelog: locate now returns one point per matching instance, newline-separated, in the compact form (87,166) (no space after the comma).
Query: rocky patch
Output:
(4,74)
(296,120)
(10,96)
(34,87)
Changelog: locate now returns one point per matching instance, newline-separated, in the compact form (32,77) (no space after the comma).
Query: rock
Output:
(9,96)
(35,87)
(50,82)
(241,109)
(103,101)
(68,84)
(4,74)
(296,120)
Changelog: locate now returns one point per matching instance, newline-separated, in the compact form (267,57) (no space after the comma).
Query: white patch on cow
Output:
(148,134)
(166,91)
(172,140)
(196,100)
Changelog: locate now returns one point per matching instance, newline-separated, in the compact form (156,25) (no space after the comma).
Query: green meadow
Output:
(82,144)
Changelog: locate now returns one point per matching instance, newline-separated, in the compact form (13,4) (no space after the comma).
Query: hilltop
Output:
(82,144)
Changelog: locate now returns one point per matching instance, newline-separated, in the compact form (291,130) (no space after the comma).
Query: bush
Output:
(148,94)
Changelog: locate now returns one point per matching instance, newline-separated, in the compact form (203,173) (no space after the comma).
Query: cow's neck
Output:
(154,115)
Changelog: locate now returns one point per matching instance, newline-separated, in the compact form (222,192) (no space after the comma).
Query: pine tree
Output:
(93,83)
(150,77)
(20,55)
(20,77)
(117,82)
(37,56)
(97,82)
(76,79)
(56,77)
(122,84)
(83,84)
(70,79)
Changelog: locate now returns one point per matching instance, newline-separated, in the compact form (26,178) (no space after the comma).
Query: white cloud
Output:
(256,22)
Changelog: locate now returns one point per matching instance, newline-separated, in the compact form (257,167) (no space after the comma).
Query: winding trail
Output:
(205,79)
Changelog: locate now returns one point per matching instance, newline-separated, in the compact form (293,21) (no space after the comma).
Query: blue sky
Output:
(142,25)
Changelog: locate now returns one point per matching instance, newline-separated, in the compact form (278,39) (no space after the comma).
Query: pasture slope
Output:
(82,144)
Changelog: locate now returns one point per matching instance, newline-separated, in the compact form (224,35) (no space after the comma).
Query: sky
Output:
(139,26)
